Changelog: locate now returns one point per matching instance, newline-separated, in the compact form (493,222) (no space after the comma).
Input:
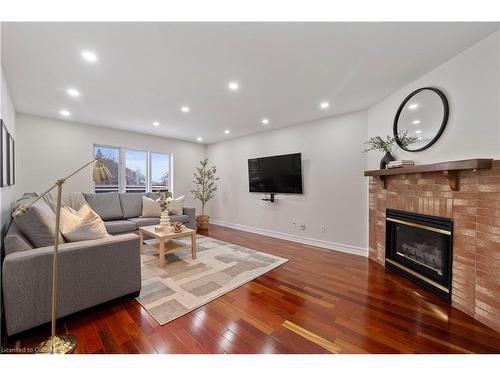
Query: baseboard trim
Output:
(327,245)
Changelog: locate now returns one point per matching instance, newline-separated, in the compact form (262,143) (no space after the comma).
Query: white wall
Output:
(335,191)
(470,81)
(8,115)
(49,149)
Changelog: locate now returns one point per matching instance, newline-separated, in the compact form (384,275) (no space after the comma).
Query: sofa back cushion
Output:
(131,204)
(15,240)
(38,224)
(106,205)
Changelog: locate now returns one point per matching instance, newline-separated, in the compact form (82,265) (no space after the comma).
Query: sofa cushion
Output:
(175,205)
(179,218)
(106,205)
(150,207)
(143,221)
(38,224)
(131,204)
(120,226)
(81,225)
(15,240)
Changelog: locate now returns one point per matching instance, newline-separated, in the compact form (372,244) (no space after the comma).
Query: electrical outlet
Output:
(302,227)
(322,228)
(294,224)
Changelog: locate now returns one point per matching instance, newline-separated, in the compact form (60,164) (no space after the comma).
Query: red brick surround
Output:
(475,210)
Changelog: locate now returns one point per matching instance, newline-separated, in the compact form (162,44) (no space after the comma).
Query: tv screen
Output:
(276,174)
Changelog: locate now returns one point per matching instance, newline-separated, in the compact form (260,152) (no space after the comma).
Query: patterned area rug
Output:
(183,284)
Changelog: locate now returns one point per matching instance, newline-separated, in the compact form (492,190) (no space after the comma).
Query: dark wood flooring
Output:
(319,302)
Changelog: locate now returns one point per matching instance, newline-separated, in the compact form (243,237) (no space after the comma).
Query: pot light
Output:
(416,122)
(73,92)
(233,86)
(65,113)
(185,109)
(420,138)
(227,131)
(324,105)
(418,131)
(413,106)
(156,123)
(89,56)
(265,121)
(199,139)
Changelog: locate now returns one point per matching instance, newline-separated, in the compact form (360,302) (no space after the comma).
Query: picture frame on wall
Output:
(12,169)
(3,155)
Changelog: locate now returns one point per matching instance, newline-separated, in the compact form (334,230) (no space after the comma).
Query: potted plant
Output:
(205,188)
(387,145)
(163,200)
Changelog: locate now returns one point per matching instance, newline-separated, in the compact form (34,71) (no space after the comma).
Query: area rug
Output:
(184,284)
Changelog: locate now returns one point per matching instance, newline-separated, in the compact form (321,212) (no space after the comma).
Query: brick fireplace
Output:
(475,211)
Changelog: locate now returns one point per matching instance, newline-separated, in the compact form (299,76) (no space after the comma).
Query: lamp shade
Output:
(101,173)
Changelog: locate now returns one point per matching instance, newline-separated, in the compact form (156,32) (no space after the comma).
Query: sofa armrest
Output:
(191,213)
(89,273)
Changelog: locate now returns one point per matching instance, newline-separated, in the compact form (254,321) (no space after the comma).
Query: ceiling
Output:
(147,71)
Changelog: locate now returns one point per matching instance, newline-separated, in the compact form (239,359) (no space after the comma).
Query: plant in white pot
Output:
(205,188)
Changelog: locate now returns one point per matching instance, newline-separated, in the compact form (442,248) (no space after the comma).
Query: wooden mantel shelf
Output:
(449,168)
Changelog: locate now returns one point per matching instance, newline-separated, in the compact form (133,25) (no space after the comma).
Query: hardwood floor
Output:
(319,302)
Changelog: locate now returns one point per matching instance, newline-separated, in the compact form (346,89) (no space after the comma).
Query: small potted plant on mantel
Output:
(205,188)
(387,145)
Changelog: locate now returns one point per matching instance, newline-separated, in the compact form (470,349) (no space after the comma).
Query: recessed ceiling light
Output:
(199,139)
(64,113)
(185,109)
(418,131)
(420,138)
(265,121)
(73,92)
(324,105)
(227,131)
(416,122)
(156,123)
(413,106)
(233,86)
(89,56)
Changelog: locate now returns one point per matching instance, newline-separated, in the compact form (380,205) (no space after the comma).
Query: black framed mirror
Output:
(423,114)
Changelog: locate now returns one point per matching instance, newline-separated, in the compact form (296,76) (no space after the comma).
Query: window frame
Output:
(122,175)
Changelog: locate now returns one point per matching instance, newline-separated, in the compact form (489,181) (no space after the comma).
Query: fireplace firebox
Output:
(419,247)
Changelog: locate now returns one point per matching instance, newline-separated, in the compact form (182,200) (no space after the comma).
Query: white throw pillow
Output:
(150,207)
(81,225)
(176,205)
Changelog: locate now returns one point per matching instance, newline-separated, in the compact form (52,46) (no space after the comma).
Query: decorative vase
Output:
(202,222)
(165,220)
(385,160)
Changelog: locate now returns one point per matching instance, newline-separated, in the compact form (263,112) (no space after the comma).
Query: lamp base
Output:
(59,344)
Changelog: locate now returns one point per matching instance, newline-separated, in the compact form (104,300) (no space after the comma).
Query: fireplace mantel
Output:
(448,168)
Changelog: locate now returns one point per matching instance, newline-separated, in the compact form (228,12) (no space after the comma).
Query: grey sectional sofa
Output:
(90,272)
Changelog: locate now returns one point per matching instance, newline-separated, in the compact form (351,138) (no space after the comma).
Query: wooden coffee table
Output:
(164,236)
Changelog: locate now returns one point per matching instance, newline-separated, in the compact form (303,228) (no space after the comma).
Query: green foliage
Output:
(163,199)
(205,183)
(387,144)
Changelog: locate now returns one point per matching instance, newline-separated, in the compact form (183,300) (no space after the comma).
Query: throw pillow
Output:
(150,207)
(38,224)
(81,225)
(176,205)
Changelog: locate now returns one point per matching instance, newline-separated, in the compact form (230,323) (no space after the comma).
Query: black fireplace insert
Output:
(420,247)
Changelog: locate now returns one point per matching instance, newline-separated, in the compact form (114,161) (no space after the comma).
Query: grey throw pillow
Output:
(38,224)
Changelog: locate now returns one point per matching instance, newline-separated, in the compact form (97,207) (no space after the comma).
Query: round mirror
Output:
(422,115)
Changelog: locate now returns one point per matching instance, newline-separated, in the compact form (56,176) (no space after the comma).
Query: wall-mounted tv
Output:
(276,174)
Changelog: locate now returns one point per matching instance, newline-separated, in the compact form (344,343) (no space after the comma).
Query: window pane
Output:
(135,170)
(160,172)
(110,158)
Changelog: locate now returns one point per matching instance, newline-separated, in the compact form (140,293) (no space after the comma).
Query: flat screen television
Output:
(276,174)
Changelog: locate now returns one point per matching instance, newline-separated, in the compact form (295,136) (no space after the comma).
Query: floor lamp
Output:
(62,344)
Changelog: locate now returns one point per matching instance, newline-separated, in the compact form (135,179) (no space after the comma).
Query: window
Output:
(110,157)
(160,172)
(134,170)
(136,165)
